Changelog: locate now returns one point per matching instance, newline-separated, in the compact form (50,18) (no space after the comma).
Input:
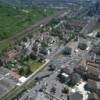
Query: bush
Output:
(65,90)
(98,34)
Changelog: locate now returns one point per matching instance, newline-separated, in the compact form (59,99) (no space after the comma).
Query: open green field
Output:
(34,64)
(17,19)
(14,19)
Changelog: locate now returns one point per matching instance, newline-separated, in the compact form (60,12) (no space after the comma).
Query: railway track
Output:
(14,92)
(32,29)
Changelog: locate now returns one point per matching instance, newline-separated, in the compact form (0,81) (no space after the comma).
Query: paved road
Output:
(14,92)
(51,80)
(46,71)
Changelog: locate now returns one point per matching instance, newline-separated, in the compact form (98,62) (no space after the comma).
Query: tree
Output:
(33,56)
(96,50)
(1,63)
(24,39)
(98,34)
(21,71)
(65,90)
(53,89)
(54,21)
(27,71)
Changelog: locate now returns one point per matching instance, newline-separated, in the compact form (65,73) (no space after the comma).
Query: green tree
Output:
(98,34)
(27,71)
(21,71)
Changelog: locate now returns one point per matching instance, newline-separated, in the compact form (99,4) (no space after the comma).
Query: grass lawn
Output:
(34,65)
(13,19)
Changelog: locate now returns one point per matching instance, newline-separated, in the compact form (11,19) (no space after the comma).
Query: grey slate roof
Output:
(76,96)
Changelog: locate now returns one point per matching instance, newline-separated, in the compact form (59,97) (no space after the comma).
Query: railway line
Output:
(32,29)
(14,92)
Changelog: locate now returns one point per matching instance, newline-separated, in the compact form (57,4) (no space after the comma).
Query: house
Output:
(93,64)
(11,55)
(93,73)
(35,47)
(97,59)
(75,96)
(67,51)
(81,69)
(44,51)
(47,39)
(54,64)
(82,46)
(41,57)
(93,96)
(63,78)
(67,70)
(72,65)
(92,85)
(75,78)
(96,50)
(67,75)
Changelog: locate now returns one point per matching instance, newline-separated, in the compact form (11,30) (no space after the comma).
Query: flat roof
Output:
(64,74)
(22,79)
